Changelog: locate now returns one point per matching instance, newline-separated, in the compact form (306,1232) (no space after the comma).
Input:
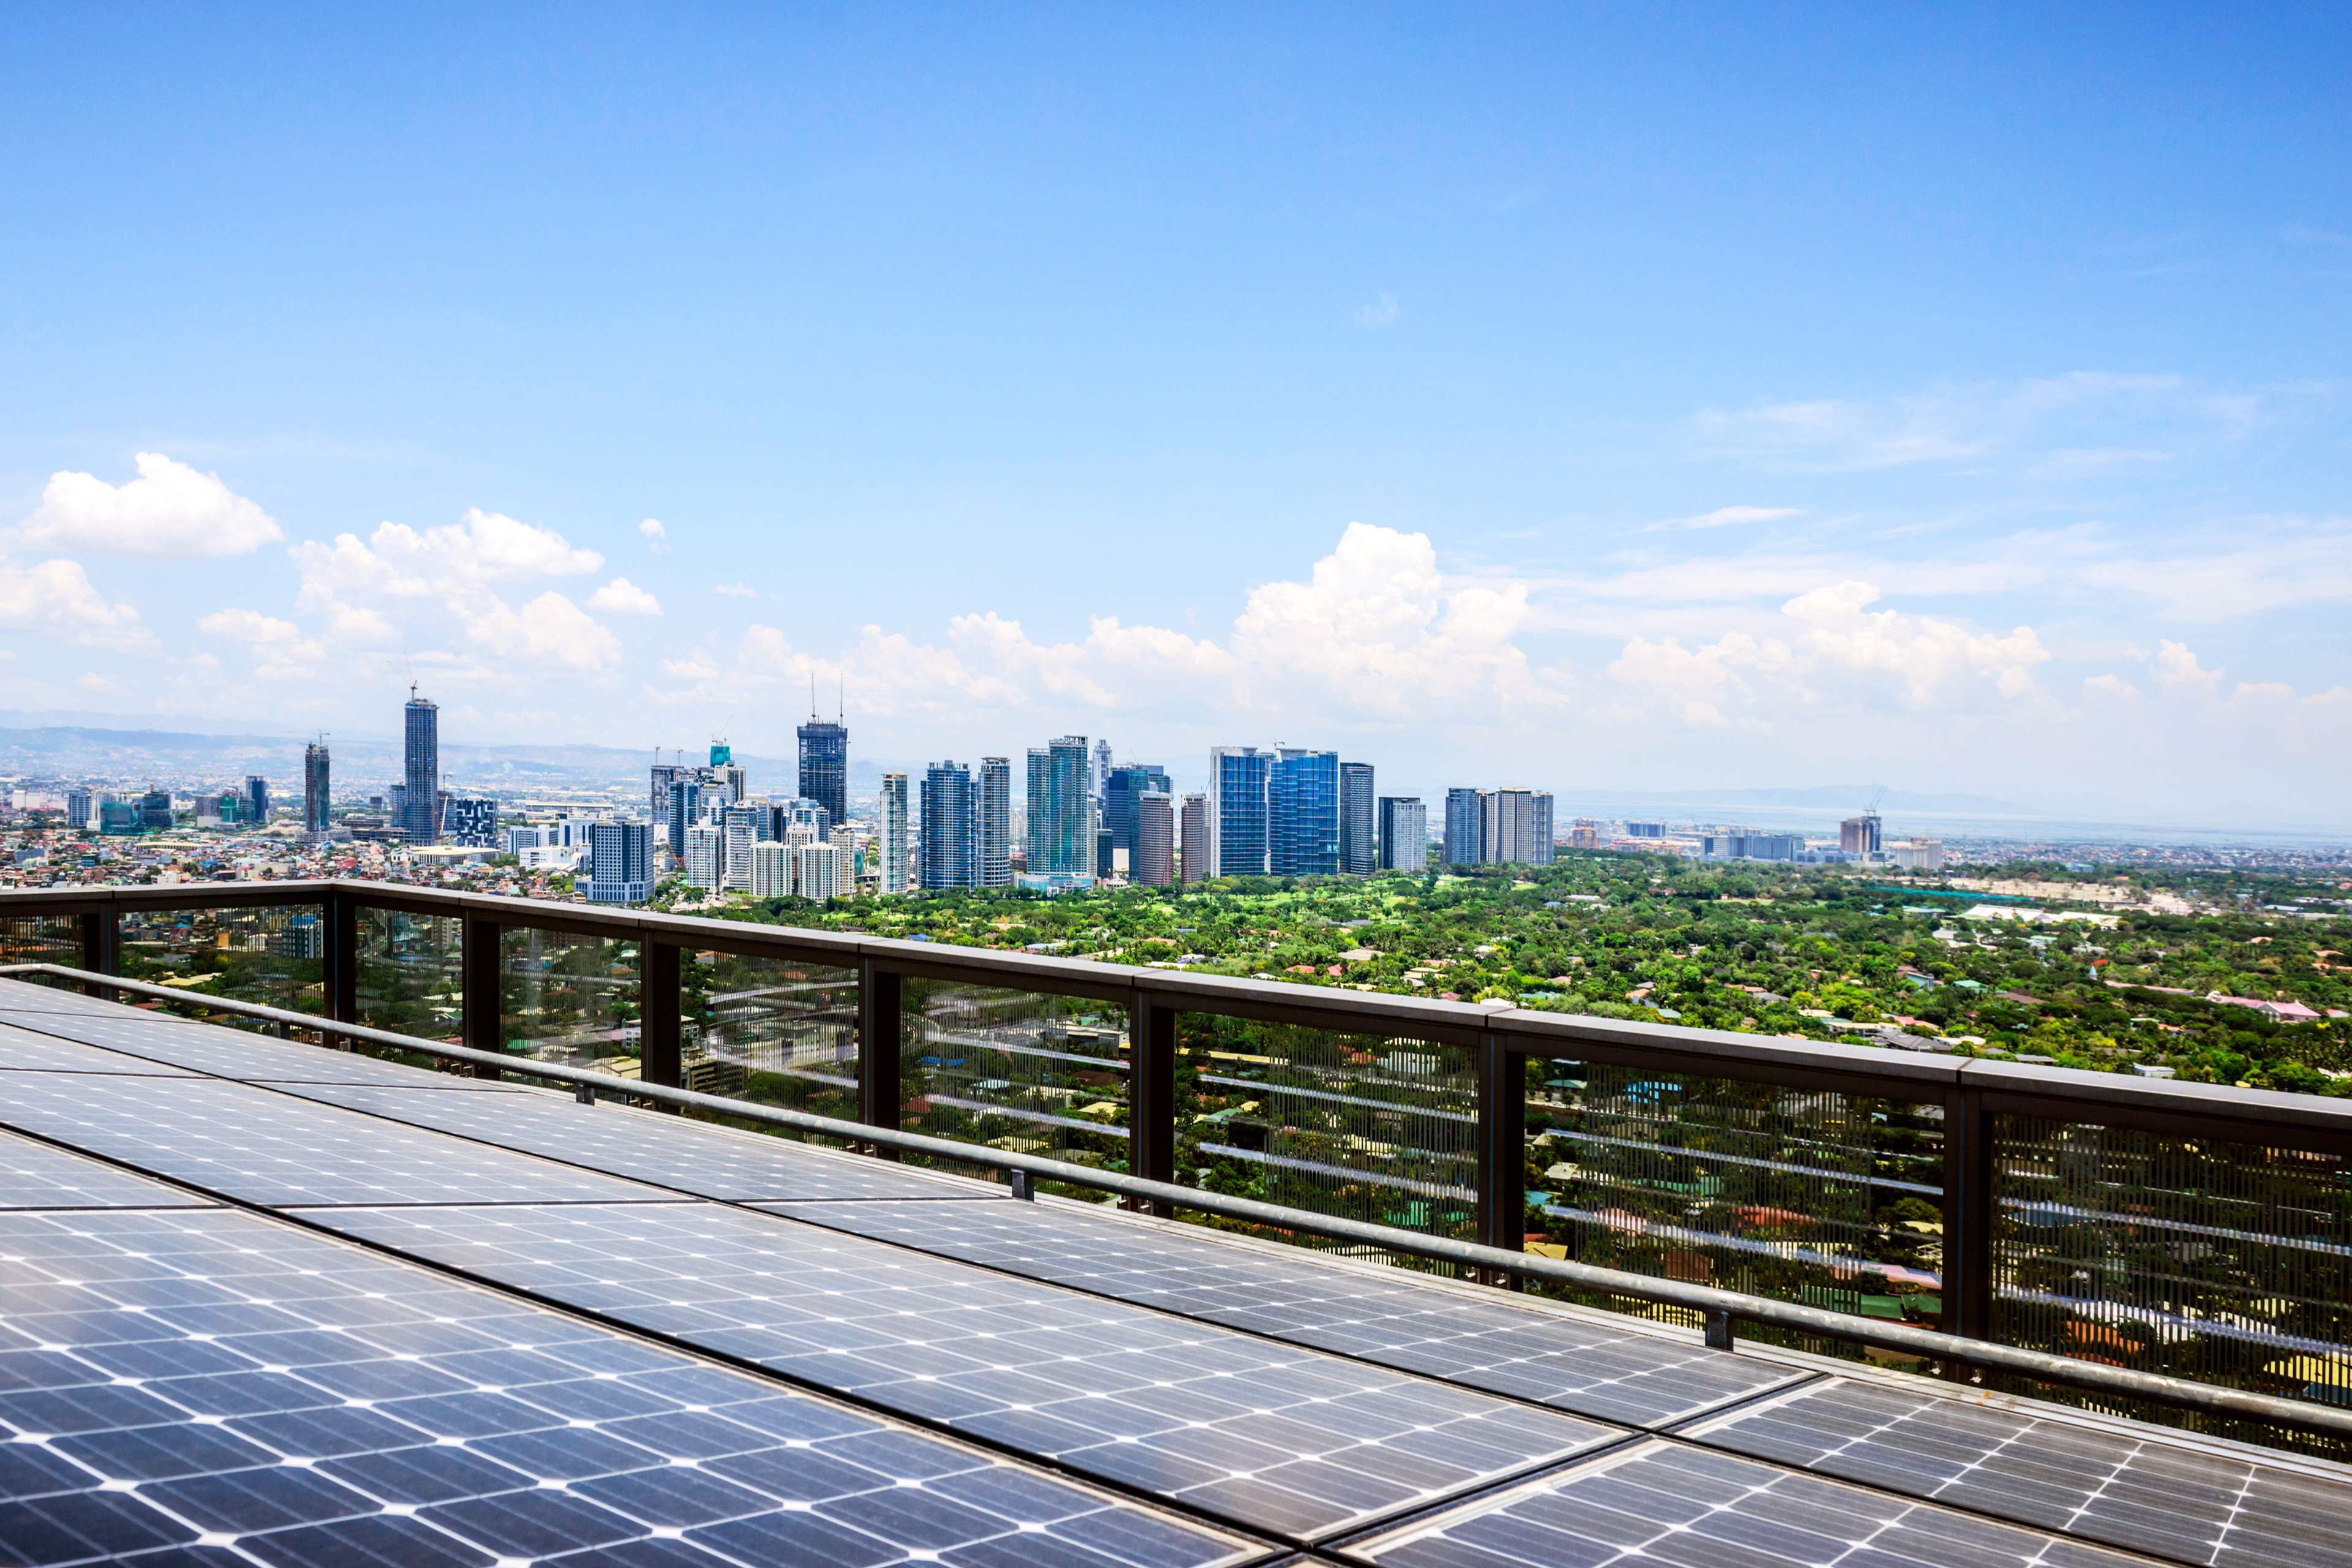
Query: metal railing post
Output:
(881,1029)
(1501,1145)
(102,944)
(477,966)
(340,914)
(657,1012)
(1152,1089)
(1968,1199)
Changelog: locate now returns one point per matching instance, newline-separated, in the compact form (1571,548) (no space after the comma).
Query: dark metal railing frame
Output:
(1971,1092)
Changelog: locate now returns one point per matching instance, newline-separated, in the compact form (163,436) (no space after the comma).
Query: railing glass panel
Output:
(1373,1127)
(2226,1263)
(42,939)
(773,1030)
(1016,1069)
(273,953)
(409,977)
(1800,1194)
(569,999)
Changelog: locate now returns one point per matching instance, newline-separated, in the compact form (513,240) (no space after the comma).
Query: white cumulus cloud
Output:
(171,510)
(550,630)
(58,598)
(622,597)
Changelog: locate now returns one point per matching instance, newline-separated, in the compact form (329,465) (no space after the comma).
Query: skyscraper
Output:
(733,780)
(825,762)
(742,827)
(1358,853)
(1120,791)
(420,807)
(950,850)
(620,862)
(890,847)
(993,832)
(1466,827)
(471,819)
(1404,833)
(314,787)
(1099,786)
(1860,835)
(1238,829)
(1151,863)
(78,806)
(1195,839)
(1303,813)
(257,799)
(664,775)
(1061,815)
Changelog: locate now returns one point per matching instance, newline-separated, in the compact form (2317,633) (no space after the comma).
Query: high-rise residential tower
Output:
(420,809)
(1060,844)
(992,830)
(1466,827)
(620,862)
(1099,784)
(1194,840)
(1239,833)
(1358,852)
(79,807)
(825,762)
(257,800)
(1303,813)
(1151,863)
(314,787)
(1404,833)
(950,851)
(891,848)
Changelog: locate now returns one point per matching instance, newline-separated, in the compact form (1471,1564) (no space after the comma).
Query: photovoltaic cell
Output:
(1271,1436)
(238,1053)
(692,1156)
(22,1050)
(1663,1502)
(1486,1339)
(265,1148)
(35,1176)
(200,1381)
(2139,1490)
(32,996)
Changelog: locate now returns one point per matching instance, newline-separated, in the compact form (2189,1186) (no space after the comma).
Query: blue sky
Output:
(1595,398)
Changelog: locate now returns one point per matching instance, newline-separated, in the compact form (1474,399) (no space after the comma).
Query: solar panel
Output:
(1270,1436)
(2101,1481)
(21,1050)
(232,1053)
(1663,1502)
(1484,1339)
(31,996)
(35,1176)
(674,1151)
(208,1381)
(260,1147)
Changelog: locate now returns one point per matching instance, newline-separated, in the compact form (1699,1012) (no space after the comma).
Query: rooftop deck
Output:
(264,1303)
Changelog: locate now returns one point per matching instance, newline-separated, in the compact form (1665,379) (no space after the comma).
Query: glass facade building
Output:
(1239,835)
(1061,819)
(1303,813)
(824,766)
(950,852)
(1404,834)
(420,801)
(1358,853)
(1466,827)
(993,829)
(315,776)
(1121,793)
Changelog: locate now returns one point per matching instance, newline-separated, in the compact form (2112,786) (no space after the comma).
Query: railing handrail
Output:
(2023,1088)
(1721,1307)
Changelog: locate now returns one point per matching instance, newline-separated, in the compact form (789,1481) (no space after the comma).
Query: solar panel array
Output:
(230,1053)
(2089,1479)
(1666,1503)
(258,1147)
(1271,1436)
(649,1146)
(1616,1372)
(209,1380)
(181,1382)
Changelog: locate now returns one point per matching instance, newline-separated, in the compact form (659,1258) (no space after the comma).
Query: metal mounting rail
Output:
(1722,1310)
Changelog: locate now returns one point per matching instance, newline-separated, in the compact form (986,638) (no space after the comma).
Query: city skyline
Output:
(1796,436)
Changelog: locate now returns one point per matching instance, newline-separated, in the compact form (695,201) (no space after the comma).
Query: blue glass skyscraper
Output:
(420,801)
(1359,851)
(1122,793)
(950,850)
(1239,833)
(1303,810)
(1060,840)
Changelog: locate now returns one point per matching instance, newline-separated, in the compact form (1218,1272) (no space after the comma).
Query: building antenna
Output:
(841,699)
